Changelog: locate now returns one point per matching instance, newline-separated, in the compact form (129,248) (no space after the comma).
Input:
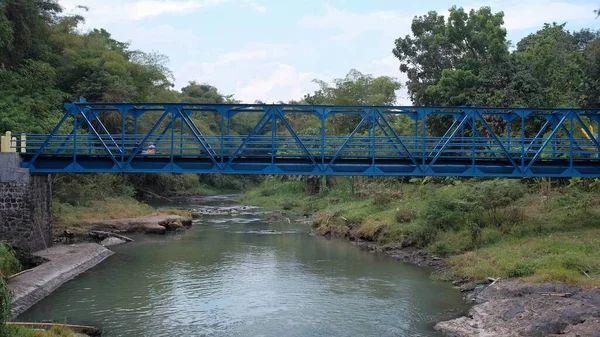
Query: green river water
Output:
(241,276)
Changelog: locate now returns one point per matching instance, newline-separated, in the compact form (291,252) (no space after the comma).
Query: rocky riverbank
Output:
(512,309)
(97,230)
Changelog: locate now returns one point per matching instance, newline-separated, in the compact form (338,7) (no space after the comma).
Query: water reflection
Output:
(239,276)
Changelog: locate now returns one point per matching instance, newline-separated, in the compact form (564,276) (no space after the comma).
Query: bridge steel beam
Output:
(318,140)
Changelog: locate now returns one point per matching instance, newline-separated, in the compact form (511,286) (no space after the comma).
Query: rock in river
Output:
(112,241)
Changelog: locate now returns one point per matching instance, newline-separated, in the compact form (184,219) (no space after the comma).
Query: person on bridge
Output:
(151,149)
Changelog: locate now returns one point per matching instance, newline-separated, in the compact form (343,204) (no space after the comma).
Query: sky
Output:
(272,50)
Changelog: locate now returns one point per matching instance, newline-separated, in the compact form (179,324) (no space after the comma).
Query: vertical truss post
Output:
(222,136)
(323,116)
(173,118)
(462,139)
(508,133)
(90,143)
(416,141)
(523,142)
(273,134)
(571,141)
(473,128)
(423,136)
(75,117)
(372,135)
(135,127)
(123,119)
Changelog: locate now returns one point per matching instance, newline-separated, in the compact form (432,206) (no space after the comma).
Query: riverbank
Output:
(469,231)
(115,215)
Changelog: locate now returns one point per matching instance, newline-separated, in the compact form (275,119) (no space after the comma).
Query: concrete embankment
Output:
(63,262)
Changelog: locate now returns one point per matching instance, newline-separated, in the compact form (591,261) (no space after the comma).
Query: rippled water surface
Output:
(241,276)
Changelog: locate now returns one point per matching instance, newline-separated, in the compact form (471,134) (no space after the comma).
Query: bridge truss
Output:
(318,140)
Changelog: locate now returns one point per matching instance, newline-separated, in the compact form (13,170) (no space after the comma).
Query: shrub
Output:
(423,235)
(441,249)
(520,269)
(381,199)
(287,205)
(445,210)
(9,264)
(405,213)
(491,195)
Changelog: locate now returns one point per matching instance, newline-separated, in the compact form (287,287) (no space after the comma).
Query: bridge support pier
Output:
(25,206)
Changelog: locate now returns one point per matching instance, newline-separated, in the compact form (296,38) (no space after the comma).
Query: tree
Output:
(454,51)
(354,89)
(24,29)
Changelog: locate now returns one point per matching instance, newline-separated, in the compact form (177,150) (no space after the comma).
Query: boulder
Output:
(112,241)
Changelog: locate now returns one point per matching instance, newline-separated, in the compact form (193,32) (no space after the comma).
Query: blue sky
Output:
(271,50)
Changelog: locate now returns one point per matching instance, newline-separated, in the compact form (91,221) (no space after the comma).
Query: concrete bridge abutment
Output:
(25,206)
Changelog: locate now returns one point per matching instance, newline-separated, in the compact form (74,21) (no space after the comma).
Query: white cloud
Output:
(253,4)
(149,8)
(107,11)
(534,13)
(285,83)
(254,73)
(348,25)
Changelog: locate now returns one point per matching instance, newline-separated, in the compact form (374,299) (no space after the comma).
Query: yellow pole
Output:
(13,144)
(23,142)
(7,141)
(2,144)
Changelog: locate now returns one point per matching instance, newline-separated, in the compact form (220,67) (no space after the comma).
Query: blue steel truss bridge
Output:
(317,140)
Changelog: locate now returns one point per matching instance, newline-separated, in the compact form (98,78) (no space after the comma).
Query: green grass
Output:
(9,264)
(491,228)
(109,208)
(554,257)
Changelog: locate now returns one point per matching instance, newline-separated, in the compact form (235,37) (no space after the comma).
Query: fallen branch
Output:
(584,273)
(118,236)
(557,294)
(154,194)
(494,281)
(19,273)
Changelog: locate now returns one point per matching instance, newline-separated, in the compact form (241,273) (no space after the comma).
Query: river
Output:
(241,276)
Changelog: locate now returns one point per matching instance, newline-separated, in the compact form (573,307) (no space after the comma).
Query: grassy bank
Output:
(530,230)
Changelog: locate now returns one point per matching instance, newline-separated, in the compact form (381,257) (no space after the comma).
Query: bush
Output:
(491,195)
(447,210)
(381,199)
(287,205)
(9,264)
(441,249)
(520,269)
(423,235)
(405,213)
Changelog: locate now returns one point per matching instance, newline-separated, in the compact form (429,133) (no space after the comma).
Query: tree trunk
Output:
(313,185)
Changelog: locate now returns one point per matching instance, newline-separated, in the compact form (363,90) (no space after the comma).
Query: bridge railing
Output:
(286,146)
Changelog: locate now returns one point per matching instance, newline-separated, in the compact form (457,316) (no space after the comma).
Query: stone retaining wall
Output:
(25,206)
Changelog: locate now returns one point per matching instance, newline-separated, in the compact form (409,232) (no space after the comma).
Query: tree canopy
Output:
(465,59)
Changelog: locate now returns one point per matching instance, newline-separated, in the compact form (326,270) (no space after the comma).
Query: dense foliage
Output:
(465,59)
